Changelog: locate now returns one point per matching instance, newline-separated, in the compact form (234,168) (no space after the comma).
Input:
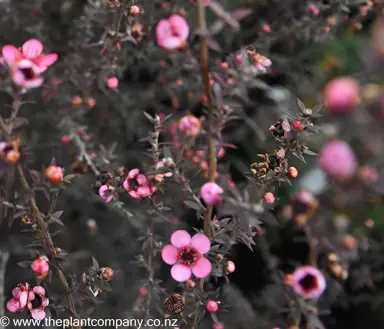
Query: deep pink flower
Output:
(307,281)
(185,253)
(40,267)
(342,95)
(37,302)
(20,298)
(338,160)
(211,193)
(172,33)
(113,83)
(212,306)
(137,185)
(106,192)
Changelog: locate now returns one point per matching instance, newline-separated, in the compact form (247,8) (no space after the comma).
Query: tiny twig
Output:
(84,154)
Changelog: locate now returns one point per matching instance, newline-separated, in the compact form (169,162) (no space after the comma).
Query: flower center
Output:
(187,256)
(28,73)
(273,161)
(175,31)
(309,282)
(133,184)
(36,303)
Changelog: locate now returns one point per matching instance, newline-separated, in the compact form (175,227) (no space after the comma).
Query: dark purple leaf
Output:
(241,13)
(192,204)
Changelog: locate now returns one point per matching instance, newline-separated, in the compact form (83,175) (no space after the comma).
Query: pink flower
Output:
(40,267)
(190,125)
(338,160)
(313,9)
(160,177)
(26,74)
(218,325)
(172,33)
(185,253)
(37,302)
(341,95)
(31,50)
(106,193)
(112,83)
(206,2)
(307,281)
(211,193)
(137,185)
(20,298)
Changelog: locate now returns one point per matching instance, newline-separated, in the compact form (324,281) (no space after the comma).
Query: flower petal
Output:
(23,299)
(169,254)
(47,60)
(32,49)
(201,243)
(141,179)
(13,305)
(202,268)
(133,173)
(38,314)
(180,238)
(11,54)
(39,290)
(180,272)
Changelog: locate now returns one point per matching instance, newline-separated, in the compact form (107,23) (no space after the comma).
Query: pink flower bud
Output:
(211,193)
(40,267)
(65,139)
(269,198)
(135,10)
(297,125)
(212,306)
(338,160)
(266,28)
(219,325)
(143,292)
(293,172)
(342,95)
(112,83)
(54,174)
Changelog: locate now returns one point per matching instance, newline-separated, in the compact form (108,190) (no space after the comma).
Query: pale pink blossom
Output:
(137,185)
(160,177)
(342,95)
(211,193)
(186,254)
(106,193)
(37,302)
(261,62)
(338,160)
(307,281)
(189,125)
(172,33)
(112,83)
(31,50)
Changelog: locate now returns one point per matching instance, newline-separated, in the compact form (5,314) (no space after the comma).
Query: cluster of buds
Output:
(301,208)
(10,152)
(335,268)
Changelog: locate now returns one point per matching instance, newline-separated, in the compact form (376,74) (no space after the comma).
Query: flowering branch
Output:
(40,223)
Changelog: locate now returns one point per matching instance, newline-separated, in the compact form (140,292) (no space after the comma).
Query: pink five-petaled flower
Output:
(137,185)
(106,192)
(211,193)
(20,298)
(26,64)
(338,160)
(185,253)
(172,33)
(307,281)
(37,301)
